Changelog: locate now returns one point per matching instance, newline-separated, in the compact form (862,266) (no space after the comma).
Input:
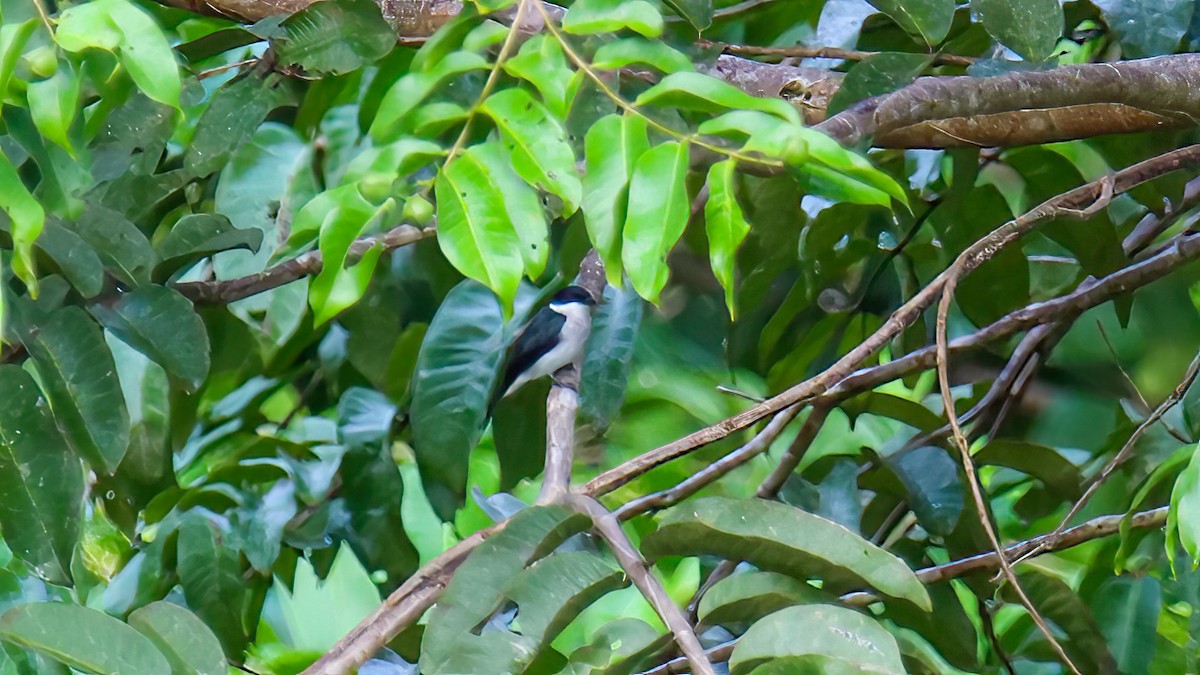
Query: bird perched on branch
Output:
(553,338)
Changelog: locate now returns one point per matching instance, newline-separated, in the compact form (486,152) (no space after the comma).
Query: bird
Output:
(553,338)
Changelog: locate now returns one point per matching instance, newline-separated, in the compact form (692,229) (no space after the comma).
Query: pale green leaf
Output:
(817,639)
(541,62)
(587,17)
(28,218)
(696,91)
(726,227)
(612,146)
(53,105)
(638,50)
(657,216)
(524,209)
(537,145)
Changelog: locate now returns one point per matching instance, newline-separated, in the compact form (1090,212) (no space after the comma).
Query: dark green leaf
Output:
(334,36)
(76,260)
(41,480)
(189,645)
(476,590)
(749,596)
(201,235)
(818,639)
(608,359)
(453,381)
(1127,610)
(1058,603)
(234,113)
(926,20)
(124,250)
(1044,463)
(212,582)
(658,214)
(1030,28)
(877,75)
(161,324)
(519,433)
(699,13)
(82,638)
(1147,27)
(80,378)
(935,492)
(780,538)
(550,594)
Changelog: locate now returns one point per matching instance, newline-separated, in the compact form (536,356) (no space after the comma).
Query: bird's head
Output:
(573,295)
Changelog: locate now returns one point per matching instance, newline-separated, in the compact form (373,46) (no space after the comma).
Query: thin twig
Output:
(1126,450)
(807,52)
(606,525)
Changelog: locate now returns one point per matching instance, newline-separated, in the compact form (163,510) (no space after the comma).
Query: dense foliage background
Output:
(258,270)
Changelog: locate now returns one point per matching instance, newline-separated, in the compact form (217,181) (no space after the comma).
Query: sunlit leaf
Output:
(612,146)
(474,231)
(121,26)
(537,145)
(695,91)
(637,50)
(541,62)
(28,218)
(657,216)
(53,105)
(749,596)
(525,210)
(1183,519)
(726,227)
(605,16)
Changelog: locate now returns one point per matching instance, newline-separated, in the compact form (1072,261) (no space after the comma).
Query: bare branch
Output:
(609,528)
(807,52)
(308,264)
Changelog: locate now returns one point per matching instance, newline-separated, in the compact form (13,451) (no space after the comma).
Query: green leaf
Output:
(1058,603)
(587,17)
(337,287)
(27,217)
(474,232)
(189,645)
(843,175)
(749,596)
(1031,28)
(638,50)
(696,91)
(13,37)
(726,227)
(397,159)
(817,639)
(1183,518)
(407,94)
(121,26)
(82,638)
(41,480)
(146,390)
(334,36)
(620,647)
(120,245)
(53,104)
(1127,610)
(935,492)
(550,594)
(212,582)
(541,62)
(1043,463)
(230,120)
(877,75)
(76,260)
(476,590)
(453,381)
(524,209)
(80,378)
(612,145)
(537,145)
(608,359)
(343,598)
(928,20)
(781,538)
(657,216)
(699,13)
(1147,27)
(200,235)
(161,323)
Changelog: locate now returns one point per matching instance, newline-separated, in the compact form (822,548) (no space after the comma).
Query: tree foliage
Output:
(259,269)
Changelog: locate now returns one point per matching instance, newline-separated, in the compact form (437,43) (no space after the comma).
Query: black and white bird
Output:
(553,338)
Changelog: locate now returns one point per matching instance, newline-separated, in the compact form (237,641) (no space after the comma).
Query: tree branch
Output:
(307,264)
(807,52)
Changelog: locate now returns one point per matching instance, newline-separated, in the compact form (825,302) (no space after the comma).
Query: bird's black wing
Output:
(538,337)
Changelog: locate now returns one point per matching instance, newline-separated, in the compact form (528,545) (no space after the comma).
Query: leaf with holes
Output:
(537,145)
(541,62)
